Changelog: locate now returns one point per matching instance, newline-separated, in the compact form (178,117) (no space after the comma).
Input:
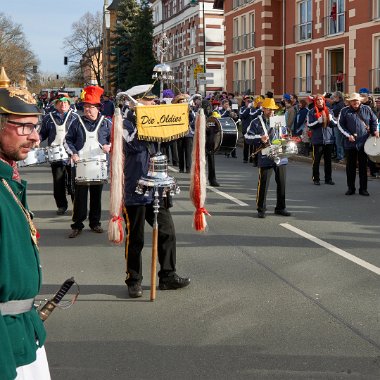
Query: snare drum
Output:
(91,172)
(221,135)
(56,153)
(35,157)
(372,148)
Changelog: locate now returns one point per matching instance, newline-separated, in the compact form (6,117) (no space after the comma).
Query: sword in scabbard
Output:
(51,304)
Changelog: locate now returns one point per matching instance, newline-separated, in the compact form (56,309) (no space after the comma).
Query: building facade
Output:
(301,46)
(184,23)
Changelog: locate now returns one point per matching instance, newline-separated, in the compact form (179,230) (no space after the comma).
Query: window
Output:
(303,79)
(251,83)
(376,70)
(235,39)
(304,17)
(335,20)
(376,9)
(251,31)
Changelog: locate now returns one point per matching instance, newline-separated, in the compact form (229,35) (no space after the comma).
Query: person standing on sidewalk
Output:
(22,333)
(321,122)
(357,122)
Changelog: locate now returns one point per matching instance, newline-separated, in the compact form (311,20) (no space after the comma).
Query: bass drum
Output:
(221,135)
(372,148)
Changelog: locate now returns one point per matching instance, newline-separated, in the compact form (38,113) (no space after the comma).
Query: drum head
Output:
(372,148)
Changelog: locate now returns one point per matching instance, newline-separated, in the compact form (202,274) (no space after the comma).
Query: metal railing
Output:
(331,83)
(331,26)
(374,80)
(303,32)
(243,42)
(243,86)
(303,85)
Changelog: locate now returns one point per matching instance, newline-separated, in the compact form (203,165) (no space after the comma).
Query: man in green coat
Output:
(22,334)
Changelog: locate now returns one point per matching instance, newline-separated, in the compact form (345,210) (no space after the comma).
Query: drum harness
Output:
(60,129)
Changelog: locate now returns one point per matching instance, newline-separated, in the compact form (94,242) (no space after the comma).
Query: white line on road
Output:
(332,248)
(225,195)
(221,193)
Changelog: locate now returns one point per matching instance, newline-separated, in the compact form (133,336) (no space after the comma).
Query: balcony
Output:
(303,32)
(303,85)
(337,26)
(374,77)
(243,86)
(331,85)
(243,42)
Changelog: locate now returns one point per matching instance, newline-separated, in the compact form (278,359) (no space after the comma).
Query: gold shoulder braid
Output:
(33,230)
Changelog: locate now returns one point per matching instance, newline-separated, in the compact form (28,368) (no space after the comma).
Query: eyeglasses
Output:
(24,129)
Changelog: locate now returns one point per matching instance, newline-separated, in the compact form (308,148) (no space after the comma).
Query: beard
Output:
(15,154)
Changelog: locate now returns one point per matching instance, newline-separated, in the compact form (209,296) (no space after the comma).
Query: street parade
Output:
(141,234)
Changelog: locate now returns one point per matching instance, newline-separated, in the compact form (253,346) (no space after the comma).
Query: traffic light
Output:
(65,60)
(35,69)
(57,76)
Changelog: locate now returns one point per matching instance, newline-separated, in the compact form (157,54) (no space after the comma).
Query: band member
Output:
(261,134)
(321,121)
(356,122)
(245,117)
(88,137)
(22,333)
(138,209)
(185,144)
(54,127)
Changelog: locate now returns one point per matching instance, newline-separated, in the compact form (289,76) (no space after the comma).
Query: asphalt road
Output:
(278,298)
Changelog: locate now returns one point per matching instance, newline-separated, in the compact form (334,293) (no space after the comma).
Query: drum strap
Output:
(361,118)
(88,145)
(60,128)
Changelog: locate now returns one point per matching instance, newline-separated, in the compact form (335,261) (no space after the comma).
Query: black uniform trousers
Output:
(354,156)
(211,167)
(59,172)
(185,148)
(263,184)
(247,151)
(80,206)
(135,217)
(326,151)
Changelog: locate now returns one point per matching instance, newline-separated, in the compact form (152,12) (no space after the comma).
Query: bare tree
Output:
(15,55)
(83,47)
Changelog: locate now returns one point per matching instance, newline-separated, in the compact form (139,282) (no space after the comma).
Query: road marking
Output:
(225,195)
(332,248)
(221,193)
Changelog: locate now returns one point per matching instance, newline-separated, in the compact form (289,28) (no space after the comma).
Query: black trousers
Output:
(211,167)
(326,151)
(135,217)
(263,184)
(59,171)
(171,147)
(80,205)
(247,151)
(185,148)
(354,157)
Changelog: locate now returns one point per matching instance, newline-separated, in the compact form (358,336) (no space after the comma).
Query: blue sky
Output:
(46,24)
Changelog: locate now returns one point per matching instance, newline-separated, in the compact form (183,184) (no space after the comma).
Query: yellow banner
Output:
(163,122)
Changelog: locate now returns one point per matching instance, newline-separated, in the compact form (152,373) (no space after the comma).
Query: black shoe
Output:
(181,170)
(364,192)
(214,184)
(74,233)
(173,282)
(331,182)
(317,183)
(135,290)
(283,212)
(97,229)
(61,210)
(261,214)
(188,171)
(350,192)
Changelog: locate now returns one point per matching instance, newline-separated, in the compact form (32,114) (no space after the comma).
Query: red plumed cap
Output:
(92,94)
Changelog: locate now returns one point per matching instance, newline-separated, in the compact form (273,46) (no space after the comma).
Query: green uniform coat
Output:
(20,278)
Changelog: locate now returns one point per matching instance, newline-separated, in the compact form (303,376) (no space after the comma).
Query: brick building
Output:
(184,22)
(301,46)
